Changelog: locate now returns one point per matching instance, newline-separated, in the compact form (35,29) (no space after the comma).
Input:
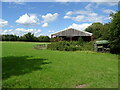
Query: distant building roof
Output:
(72,32)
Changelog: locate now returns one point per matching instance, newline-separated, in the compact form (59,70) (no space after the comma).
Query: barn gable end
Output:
(72,33)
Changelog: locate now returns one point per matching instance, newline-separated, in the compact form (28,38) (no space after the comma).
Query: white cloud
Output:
(107,3)
(98,2)
(103,0)
(78,18)
(112,4)
(109,18)
(69,13)
(28,30)
(3,23)
(6,31)
(87,15)
(80,26)
(15,1)
(89,7)
(10,30)
(51,31)
(21,31)
(49,17)
(108,11)
(67,17)
(61,0)
(1,31)
(24,30)
(45,25)
(84,16)
(87,0)
(67,0)
(28,19)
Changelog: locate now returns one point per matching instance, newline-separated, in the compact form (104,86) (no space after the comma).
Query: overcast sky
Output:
(44,18)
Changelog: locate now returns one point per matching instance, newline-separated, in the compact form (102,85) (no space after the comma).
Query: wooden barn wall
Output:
(71,32)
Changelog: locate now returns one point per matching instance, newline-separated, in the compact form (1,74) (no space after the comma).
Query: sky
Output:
(45,18)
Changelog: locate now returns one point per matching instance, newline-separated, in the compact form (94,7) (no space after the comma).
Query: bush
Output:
(70,46)
(87,46)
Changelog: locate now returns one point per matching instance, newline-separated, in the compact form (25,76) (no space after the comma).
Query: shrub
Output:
(80,41)
(70,46)
(87,46)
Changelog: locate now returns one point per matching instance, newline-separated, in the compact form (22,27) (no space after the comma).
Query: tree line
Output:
(26,37)
(109,31)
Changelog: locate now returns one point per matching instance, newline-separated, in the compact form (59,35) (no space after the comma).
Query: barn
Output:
(72,34)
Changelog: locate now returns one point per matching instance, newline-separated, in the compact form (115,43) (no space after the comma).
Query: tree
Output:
(0,37)
(43,39)
(105,31)
(9,37)
(96,29)
(80,41)
(114,32)
(28,37)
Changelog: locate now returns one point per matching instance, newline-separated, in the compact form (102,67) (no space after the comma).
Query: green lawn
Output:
(26,67)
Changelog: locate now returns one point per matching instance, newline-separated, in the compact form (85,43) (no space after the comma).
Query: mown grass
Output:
(26,67)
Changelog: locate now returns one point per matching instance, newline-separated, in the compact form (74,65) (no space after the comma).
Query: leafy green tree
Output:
(0,37)
(28,37)
(96,29)
(80,41)
(114,32)
(9,37)
(105,31)
(43,39)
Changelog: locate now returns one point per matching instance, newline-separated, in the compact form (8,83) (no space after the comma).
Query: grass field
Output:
(26,67)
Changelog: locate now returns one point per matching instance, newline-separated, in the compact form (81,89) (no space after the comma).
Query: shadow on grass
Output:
(13,65)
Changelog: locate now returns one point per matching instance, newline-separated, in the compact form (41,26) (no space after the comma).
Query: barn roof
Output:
(72,32)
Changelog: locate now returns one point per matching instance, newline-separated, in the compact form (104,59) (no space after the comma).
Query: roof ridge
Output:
(71,28)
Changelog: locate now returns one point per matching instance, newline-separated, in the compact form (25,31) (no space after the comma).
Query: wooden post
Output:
(70,38)
(92,38)
(62,39)
(57,39)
